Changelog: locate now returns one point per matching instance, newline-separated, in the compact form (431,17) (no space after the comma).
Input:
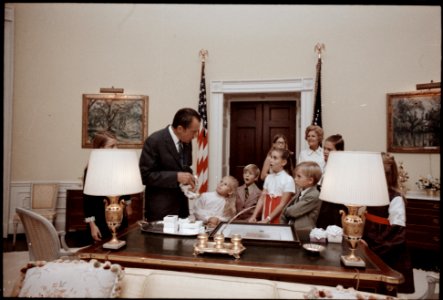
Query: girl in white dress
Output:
(278,189)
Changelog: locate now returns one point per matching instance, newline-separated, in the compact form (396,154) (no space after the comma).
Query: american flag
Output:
(202,140)
(316,118)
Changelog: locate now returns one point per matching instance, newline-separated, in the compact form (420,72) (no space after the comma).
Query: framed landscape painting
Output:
(124,115)
(414,121)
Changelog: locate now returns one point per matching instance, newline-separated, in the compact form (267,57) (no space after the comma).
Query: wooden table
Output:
(293,264)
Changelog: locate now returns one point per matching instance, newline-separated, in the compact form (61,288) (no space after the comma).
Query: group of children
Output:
(293,198)
(290,193)
(274,204)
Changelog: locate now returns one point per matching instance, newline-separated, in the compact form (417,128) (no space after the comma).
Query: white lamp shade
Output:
(355,178)
(113,172)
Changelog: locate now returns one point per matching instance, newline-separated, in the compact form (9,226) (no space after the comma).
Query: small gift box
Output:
(170,223)
(170,229)
(170,219)
(334,234)
(318,235)
(187,227)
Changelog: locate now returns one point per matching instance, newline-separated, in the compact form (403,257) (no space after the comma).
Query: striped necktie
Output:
(181,153)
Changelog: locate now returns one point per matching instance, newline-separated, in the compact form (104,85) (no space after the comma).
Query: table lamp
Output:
(356,180)
(113,173)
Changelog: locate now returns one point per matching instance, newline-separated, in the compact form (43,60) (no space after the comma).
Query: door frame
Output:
(218,118)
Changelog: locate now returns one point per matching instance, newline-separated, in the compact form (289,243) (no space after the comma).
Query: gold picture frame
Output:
(414,121)
(258,233)
(124,115)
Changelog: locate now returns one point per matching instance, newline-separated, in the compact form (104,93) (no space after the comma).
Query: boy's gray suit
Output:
(303,211)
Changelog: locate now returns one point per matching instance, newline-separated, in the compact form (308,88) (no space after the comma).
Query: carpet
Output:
(12,263)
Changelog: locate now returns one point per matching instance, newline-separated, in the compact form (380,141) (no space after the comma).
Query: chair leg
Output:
(14,236)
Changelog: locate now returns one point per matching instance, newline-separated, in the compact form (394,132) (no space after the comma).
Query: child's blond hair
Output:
(229,209)
(253,169)
(310,169)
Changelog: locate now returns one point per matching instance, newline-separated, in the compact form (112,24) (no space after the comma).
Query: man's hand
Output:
(186,178)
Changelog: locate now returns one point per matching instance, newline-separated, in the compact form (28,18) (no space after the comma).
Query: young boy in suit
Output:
(303,210)
(248,193)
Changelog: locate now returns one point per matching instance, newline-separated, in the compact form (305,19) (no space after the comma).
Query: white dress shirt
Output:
(174,138)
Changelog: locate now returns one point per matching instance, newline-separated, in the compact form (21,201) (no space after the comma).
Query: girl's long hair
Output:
(229,210)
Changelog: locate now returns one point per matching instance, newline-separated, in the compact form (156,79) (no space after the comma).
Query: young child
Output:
(314,138)
(330,212)
(277,190)
(278,141)
(248,193)
(214,207)
(385,228)
(303,212)
(333,142)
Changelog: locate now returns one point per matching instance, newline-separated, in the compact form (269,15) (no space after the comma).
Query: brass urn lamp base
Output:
(114,217)
(114,244)
(353,226)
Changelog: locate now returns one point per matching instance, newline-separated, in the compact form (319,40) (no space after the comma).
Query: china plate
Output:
(314,247)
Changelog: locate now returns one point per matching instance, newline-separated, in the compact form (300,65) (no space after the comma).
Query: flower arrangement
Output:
(428,183)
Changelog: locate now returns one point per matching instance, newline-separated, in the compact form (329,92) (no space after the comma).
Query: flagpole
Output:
(317,117)
(319,47)
(202,139)
(203,53)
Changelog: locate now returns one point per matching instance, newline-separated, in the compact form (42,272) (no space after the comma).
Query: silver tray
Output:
(157,227)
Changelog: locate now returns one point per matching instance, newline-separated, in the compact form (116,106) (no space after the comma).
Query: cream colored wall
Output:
(65,50)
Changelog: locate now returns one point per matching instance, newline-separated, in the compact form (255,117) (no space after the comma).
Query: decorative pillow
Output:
(70,279)
(341,293)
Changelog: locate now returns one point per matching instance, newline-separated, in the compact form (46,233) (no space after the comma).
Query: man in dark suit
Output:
(165,163)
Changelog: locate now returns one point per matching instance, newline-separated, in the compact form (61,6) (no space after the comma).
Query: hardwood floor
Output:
(73,240)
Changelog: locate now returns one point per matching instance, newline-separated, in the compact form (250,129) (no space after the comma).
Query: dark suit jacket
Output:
(159,164)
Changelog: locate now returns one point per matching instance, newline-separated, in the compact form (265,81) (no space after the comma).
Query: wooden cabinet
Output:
(423,222)
(137,204)
(75,215)
(74,211)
